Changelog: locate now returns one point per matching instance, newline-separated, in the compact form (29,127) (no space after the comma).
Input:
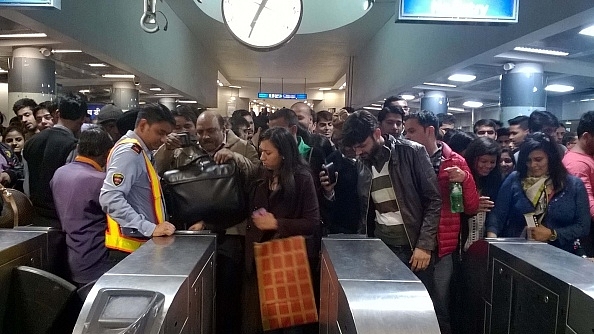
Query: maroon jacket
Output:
(449,223)
(298,215)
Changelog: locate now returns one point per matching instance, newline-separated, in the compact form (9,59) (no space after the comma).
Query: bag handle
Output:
(7,196)
(200,157)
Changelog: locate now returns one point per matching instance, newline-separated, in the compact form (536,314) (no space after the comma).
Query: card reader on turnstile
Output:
(124,311)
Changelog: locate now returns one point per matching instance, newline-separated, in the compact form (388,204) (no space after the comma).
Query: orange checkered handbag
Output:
(284,283)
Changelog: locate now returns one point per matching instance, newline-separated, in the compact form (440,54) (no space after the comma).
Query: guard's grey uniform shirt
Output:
(130,202)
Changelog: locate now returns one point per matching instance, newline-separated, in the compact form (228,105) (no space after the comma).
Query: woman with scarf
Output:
(540,200)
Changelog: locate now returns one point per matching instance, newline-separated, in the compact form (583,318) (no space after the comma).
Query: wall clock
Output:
(262,25)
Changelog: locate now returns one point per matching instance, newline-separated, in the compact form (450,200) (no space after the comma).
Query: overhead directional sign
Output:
(262,95)
(503,11)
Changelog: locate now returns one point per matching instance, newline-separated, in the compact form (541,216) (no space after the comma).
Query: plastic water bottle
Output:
(456,199)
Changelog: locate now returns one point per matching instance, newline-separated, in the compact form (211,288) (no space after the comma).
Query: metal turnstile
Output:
(18,248)
(166,286)
(532,287)
(365,288)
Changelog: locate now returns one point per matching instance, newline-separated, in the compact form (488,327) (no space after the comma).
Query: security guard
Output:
(131,194)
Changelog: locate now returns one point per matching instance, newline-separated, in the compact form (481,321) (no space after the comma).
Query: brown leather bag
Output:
(17,209)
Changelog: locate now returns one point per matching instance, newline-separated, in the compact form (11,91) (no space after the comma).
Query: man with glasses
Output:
(485,128)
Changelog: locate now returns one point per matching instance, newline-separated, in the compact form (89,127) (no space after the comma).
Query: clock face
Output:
(262,24)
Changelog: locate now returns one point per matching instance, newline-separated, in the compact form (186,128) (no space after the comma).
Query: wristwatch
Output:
(553,236)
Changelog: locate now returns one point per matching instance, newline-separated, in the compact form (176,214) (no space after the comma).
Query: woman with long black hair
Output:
(540,198)
(482,156)
(284,202)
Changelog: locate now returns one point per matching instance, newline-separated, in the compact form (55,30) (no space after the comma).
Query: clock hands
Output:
(255,19)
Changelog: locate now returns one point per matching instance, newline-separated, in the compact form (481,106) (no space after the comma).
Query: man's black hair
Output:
(358,127)
(94,142)
(484,122)
(241,113)
(182,111)
(502,132)
(521,120)
(586,124)
(540,119)
(445,118)
(391,99)
(50,106)
(390,110)
(22,103)
(155,113)
(324,115)
(498,123)
(285,113)
(72,107)
(127,121)
(237,121)
(425,119)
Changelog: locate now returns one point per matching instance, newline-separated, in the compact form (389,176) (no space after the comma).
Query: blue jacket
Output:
(567,212)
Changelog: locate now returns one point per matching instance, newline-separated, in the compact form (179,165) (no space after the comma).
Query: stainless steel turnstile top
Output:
(565,267)
(11,238)
(366,259)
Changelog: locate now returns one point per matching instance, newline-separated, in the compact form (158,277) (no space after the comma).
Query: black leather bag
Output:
(203,190)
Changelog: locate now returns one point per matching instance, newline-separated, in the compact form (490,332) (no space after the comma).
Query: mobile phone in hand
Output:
(330,169)
(184,138)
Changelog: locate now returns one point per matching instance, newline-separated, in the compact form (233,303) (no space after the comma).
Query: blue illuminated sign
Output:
(31,3)
(282,96)
(504,11)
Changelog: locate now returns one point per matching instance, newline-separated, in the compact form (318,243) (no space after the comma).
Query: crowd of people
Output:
(388,175)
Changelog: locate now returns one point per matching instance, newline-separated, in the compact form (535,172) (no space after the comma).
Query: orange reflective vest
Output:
(114,238)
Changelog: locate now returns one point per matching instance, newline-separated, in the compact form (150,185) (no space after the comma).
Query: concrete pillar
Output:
(124,95)
(31,75)
(522,90)
(435,101)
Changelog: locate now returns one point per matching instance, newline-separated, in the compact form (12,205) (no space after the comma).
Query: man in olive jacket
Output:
(398,191)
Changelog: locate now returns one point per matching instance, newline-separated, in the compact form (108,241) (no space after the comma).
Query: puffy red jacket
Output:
(449,223)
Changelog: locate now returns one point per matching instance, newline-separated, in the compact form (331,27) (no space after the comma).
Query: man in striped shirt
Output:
(398,192)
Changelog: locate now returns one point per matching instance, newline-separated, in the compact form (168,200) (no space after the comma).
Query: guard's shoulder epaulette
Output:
(136,148)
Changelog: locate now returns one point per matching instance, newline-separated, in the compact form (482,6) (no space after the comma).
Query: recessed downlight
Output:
(460,77)
(556,88)
(472,104)
(118,76)
(25,35)
(541,51)
(156,89)
(97,65)
(439,84)
(589,31)
(66,51)
(408,97)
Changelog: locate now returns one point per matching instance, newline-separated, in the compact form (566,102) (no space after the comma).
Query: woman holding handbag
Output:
(285,204)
